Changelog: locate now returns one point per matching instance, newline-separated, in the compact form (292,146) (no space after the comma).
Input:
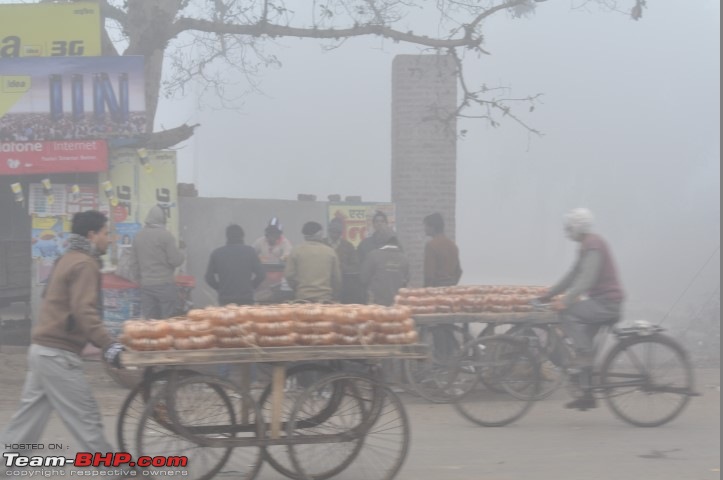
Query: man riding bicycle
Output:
(592,297)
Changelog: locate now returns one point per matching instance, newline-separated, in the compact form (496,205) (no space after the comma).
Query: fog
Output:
(631,130)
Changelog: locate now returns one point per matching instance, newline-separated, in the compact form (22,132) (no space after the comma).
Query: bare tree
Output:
(220,42)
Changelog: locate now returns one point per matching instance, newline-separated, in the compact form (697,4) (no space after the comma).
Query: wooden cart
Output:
(330,416)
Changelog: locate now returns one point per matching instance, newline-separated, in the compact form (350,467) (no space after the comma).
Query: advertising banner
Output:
(140,180)
(50,29)
(357,218)
(64,199)
(71,98)
(27,158)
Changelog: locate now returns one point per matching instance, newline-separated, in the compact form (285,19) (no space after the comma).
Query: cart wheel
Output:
(437,378)
(297,379)
(135,403)
(200,418)
(506,364)
(366,436)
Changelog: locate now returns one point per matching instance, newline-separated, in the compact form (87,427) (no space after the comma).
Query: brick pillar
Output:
(424,149)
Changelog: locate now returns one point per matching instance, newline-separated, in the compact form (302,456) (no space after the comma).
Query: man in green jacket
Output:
(70,316)
(312,269)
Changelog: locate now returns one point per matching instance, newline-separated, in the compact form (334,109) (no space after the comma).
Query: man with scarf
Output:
(154,259)
(70,316)
(312,269)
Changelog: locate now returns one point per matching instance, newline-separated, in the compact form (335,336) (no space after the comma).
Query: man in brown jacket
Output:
(441,256)
(70,317)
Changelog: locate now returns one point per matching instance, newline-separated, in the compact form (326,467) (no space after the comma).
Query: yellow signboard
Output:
(50,30)
(357,218)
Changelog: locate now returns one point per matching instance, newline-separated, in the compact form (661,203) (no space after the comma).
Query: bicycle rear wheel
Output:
(511,381)
(647,380)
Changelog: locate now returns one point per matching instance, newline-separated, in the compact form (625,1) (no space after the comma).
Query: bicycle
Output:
(645,377)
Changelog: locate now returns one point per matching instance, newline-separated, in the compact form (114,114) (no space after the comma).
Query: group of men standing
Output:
(328,268)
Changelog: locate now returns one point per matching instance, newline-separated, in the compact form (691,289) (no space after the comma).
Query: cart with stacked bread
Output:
(453,321)
(330,416)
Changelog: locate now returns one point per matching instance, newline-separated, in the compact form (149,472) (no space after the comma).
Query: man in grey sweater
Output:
(592,296)
(154,259)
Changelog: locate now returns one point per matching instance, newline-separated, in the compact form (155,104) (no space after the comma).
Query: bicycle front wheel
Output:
(647,381)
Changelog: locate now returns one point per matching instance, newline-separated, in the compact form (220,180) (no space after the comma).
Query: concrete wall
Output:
(424,148)
(204,221)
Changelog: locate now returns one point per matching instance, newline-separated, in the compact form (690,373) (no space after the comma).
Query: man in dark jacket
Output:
(385,270)
(374,241)
(593,296)
(154,259)
(70,316)
(351,288)
(235,270)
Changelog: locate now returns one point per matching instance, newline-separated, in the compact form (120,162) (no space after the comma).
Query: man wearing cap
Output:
(592,297)
(351,288)
(273,249)
(312,269)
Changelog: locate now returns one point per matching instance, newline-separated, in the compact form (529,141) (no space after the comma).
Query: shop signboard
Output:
(357,218)
(50,29)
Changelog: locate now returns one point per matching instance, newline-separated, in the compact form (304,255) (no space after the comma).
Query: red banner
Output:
(27,158)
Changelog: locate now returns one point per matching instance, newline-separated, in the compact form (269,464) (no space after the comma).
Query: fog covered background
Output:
(630,116)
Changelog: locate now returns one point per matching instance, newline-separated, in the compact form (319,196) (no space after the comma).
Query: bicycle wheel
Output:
(437,377)
(647,380)
(135,403)
(296,377)
(544,344)
(367,436)
(507,364)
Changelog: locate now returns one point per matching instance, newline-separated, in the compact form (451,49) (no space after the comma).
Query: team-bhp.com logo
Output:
(87,459)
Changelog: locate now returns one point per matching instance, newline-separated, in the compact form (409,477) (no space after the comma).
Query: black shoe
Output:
(582,404)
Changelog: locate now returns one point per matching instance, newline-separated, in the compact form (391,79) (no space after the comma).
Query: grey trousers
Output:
(583,319)
(56,381)
(159,301)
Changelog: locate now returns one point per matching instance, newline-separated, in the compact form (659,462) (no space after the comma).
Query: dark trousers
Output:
(159,301)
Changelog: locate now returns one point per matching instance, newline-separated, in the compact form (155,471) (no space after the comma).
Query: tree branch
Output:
(109,11)
(273,30)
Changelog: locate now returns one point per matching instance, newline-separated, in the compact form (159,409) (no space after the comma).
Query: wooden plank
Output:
(132,359)
(278,381)
(245,387)
(498,318)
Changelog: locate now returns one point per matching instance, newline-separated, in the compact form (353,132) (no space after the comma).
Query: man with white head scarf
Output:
(592,295)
